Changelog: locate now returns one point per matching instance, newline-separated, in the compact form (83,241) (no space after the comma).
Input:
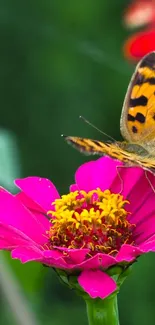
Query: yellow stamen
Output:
(96,220)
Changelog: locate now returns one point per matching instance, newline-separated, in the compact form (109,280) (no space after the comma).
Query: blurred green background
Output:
(58,60)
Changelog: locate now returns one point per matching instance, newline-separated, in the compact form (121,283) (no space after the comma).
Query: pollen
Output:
(96,220)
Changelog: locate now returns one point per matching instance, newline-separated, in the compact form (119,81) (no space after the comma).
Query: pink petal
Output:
(148,245)
(141,196)
(4,245)
(97,261)
(29,203)
(13,237)
(144,218)
(144,231)
(13,213)
(74,255)
(31,253)
(55,254)
(73,188)
(100,173)
(152,238)
(35,209)
(52,259)
(40,190)
(97,283)
(27,254)
(129,176)
(77,255)
(128,253)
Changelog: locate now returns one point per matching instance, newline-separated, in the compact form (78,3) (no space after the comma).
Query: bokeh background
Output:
(58,60)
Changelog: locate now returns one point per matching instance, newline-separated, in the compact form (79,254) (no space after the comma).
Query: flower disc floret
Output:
(96,220)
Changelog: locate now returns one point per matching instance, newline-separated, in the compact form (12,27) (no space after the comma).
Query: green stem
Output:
(102,312)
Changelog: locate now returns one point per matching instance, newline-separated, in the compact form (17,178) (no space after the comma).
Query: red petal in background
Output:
(139,44)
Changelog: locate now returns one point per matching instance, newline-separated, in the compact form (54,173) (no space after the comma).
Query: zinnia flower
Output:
(139,44)
(101,226)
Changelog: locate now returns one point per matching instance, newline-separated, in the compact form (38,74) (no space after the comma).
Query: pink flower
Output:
(86,232)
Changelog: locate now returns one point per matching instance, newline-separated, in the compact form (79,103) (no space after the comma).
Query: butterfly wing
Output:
(95,147)
(138,114)
(114,150)
(89,146)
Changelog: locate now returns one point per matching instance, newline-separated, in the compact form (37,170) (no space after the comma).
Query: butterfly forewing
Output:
(138,113)
(137,122)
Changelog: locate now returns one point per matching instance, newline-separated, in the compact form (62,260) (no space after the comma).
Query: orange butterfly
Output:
(137,122)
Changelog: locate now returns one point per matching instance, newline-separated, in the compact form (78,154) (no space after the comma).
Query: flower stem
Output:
(102,312)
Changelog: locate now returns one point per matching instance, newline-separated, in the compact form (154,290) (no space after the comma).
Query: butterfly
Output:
(137,123)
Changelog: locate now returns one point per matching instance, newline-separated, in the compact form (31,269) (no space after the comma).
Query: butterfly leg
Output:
(146,175)
(121,180)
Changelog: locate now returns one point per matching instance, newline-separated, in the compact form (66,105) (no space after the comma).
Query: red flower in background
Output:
(139,44)
(138,13)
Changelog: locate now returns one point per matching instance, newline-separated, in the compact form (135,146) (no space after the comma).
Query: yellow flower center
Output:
(95,220)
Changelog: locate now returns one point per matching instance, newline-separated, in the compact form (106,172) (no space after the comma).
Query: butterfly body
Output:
(137,123)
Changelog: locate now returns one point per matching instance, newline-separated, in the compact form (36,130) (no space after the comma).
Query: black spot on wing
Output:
(139,101)
(151,81)
(141,80)
(134,129)
(140,118)
(131,118)
(149,61)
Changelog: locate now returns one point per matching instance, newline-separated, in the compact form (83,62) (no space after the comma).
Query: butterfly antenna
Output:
(96,128)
